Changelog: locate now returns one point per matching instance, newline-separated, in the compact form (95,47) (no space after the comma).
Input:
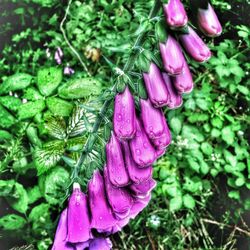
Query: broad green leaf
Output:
(228,135)
(244,90)
(198,117)
(32,94)
(80,88)
(6,118)
(48,79)
(230,158)
(190,104)
(204,168)
(235,194)
(175,125)
(56,183)
(188,201)
(10,102)
(5,135)
(12,222)
(42,210)
(59,107)
(192,185)
(30,109)
(19,201)
(217,122)
(202,104)
(215,132)
(34,194)
(206,148)
(175,203)
(7,187)
(193,164)
(192,133)
(15,82)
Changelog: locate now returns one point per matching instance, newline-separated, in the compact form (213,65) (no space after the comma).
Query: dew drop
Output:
(100,217)
(138,151)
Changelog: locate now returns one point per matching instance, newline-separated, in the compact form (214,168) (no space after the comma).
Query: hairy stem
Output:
(128,66)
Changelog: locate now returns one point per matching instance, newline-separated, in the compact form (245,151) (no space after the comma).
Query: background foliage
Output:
(202,197)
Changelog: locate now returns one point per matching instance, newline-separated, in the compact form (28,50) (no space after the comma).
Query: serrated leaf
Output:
(78,122)
(56,127)
(48,156)
(12,222)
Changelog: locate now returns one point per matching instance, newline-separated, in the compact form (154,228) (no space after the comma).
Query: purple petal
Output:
(175,99)
(100,244)
(143,189)
(156,88)
(194,46)
(152,119)
(78,217)
(124,115)
(101,215)
(61,234)
(119,198)
(183,82)
(136,174)
(115,164)
(208,22)
(172,56)
(139,205)
(142,151)
(175,14)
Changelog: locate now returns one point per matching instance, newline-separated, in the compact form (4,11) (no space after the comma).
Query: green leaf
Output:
(234,195)
(12,222)
(42,210)
(56,127)
(56,183)
(48,79)
(59,107)
(230,158)
(190,104)
(6,119)
(7,187)
(15,82)
(175,124)
(175,203)
(30,109)
(194,165)
(32,94)
(228,135)
(202,104)
(217,122)
(5,136)
(206,148)
(244,90)
(215,133)
(197,117)
(19,201)
(80,88)
(192,133)
(10,102)
(188,201)
(34,194)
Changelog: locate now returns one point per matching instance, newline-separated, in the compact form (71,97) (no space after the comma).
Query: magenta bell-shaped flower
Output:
(156,88)
(136,174)
(119,198)
(115,164)
(172,56)
(143,189)
(101,215)
(194,46)
(124,115)
(175,14)
(183,82)
(152,119)
(208,22)
(139,205)
(175,99)
(142,151)
(60,242)
(165,139)
(78,217)
(100,244)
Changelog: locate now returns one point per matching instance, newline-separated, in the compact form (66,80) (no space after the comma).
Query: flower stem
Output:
(128,66)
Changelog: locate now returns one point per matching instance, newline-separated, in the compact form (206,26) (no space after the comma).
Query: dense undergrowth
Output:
(202,197)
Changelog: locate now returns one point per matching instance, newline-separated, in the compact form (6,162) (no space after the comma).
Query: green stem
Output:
(128,66)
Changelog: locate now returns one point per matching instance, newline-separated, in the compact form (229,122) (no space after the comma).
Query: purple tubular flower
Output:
(194,46)
(143,189)
(175,14)
(78,217)
(156,88)
(119,198)
(142,151)
(82,246)
(136,174)
(164,140)
(160,152)
(175,99)
(208,22)
(184,82)
(172,56)
(60,242)
(101,215)
(152,119)
(124,115)
(100,244)
(139,205)
(115,164)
